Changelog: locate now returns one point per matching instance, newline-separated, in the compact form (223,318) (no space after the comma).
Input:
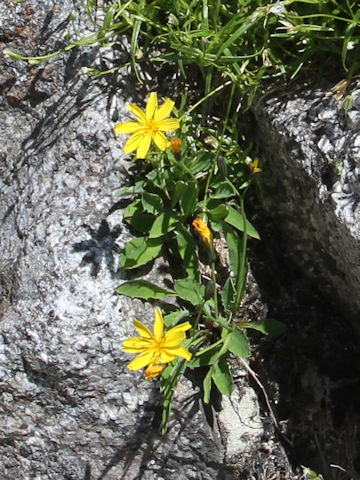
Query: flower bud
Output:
(204,231)
(153,371)
(222,165)
(209,290)
(175,145)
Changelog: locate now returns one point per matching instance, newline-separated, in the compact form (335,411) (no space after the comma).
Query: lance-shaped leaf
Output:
(188,200)
(188,251)
(235,219)
(222,377)
(238,343)
(143,289)
(190,290)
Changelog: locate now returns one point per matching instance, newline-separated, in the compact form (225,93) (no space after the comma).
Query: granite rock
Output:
(310,147)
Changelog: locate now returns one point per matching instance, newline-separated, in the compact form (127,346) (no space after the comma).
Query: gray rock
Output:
(311,153)
(69,407)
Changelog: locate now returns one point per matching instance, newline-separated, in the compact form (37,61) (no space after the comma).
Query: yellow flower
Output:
(158,348)
(254,166)
(203,230)
(149,125)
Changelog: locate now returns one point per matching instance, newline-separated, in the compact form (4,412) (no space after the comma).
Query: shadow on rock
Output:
(312,373)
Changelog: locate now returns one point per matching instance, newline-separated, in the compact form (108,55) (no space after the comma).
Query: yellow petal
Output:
(143,146)
(143,360)
(160,140)
(136,344)
(178,352)
(133,142)
(127,127)
(166,356)
(142,329)
(182,327)
(134,109)
(176,335)
(158,325)
(151,106)
(164,110)
(168,124)
(174,339)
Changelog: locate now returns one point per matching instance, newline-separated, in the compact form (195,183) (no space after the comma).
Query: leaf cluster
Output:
(248,42)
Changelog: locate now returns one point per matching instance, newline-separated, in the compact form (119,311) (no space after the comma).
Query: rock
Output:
(69,406)
(311,150)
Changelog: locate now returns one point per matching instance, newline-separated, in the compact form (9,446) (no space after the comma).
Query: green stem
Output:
(213,276)
(205,98)
(218,150)
(241,274)
(218,320)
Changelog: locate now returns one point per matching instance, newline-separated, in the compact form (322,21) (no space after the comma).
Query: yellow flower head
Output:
(149,125)
(157,348)
(254,166)
(203,230)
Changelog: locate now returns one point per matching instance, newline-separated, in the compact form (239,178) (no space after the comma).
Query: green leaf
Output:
(134,208)
(219,213)
(164,224)
(228,294)
(140,251)
(152,203)
(169,379)
(132,190)
(173,318)
(235,219)
(348,36)
(190,290)
(153,178)
(233,242)
(207,386)
(142,222)
(143,289)
(188,200)
(166,374)
(238,343)
(222,377)
(109,17)
(223,190)
(269,326)
(178,192)
(135,216)
(188,252)
(206,356)
(200,163)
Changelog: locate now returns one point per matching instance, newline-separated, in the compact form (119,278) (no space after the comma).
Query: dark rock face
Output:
(69,408)
(311,147)
(308,270)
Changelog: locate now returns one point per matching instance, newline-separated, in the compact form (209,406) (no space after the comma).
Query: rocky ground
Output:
(69,407)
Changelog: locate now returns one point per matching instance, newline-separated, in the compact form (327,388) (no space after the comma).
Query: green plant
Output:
(180,200)
(248,42)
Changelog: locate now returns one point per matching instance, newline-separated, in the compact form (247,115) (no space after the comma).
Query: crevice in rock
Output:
(311,373)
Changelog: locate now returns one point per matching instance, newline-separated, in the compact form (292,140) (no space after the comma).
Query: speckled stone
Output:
(309,146)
